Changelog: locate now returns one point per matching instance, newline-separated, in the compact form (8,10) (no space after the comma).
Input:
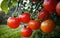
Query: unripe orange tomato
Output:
(58,8)
(47,26)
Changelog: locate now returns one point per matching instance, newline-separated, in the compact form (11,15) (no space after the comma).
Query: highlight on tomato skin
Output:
(58,8)
(13,22)
(25,17)
(26,32)
(50,5)
(43,14)
(34,24)
(47,26)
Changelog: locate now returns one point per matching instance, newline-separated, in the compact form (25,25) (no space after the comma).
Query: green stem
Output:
(16,13)
(45,35)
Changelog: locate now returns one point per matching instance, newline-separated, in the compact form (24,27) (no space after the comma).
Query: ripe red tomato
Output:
(13,22)
(25,37)
(50,5)
(47,26)
(34,0)
(43,14)
(34,24)
(26,32)
(58,8)
(25,17)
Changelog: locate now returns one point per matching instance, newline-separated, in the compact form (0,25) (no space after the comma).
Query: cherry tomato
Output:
(58,8)
(13,22)
(25,37)
(26,32)
(43,14)
(47,26)
(34,0)
(50,5)
(34,24)
(25,17)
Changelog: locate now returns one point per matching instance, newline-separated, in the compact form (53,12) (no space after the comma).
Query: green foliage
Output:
(4,6)
(14,2)
(1,16)
(10,5)
(6,32)
(31,7)
(0,6)
(7,4)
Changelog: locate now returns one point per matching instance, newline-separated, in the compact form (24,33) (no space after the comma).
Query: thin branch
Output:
(38,5)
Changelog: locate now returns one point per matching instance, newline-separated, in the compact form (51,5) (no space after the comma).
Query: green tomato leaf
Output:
(0,5)
(14,2)
(4,6)
(10,5)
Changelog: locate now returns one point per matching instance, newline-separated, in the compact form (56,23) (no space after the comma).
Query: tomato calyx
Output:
(25,25)
(14,16)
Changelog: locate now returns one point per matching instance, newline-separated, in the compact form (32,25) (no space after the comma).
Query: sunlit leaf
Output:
(4,6)
(0,6)
(14,2)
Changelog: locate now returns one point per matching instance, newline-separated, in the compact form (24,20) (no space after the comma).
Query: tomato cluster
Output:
(46,26)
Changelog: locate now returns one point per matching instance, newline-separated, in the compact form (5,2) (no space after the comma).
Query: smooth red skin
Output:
(26,32)
(43,14)
(58,8)
(34,0)
(34,24)
(50,5)
(25,17)
(13,22)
